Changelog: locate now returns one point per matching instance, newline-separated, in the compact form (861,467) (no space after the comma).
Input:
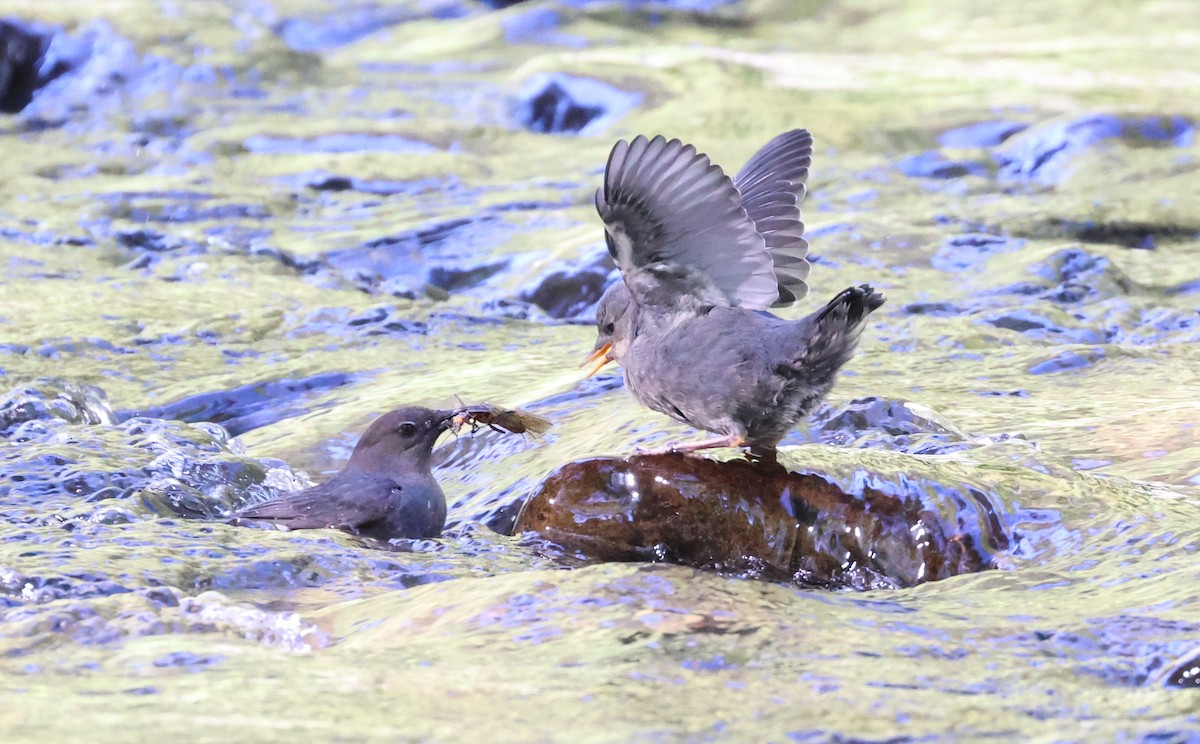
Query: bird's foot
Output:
(683,449)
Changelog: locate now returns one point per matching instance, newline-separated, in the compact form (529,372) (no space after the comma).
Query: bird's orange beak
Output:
(598,358)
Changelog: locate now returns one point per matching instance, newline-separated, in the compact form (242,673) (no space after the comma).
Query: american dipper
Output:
(697,264)
(771,185)
(386,489)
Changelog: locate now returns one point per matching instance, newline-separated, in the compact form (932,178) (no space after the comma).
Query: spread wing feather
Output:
(664,203)
(772,185)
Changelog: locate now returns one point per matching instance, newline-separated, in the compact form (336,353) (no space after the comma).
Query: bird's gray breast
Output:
(419,509)
(704,370)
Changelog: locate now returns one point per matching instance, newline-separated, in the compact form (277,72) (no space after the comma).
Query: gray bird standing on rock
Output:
(702,257)
(386,490)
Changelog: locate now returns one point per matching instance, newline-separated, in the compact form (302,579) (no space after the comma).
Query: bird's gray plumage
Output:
(676,227)
(771,186)
(386,490)
(688,322)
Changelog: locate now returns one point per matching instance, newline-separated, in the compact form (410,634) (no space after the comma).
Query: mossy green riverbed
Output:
(249,193)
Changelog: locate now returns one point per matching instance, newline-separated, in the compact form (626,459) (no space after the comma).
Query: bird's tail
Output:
(834,331)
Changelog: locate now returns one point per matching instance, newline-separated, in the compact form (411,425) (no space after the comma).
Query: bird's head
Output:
(615,317)
(405,434)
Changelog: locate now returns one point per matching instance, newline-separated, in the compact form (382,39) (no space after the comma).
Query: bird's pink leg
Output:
(732,440)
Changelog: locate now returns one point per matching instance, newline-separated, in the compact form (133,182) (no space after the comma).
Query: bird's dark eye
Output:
(608,328)
(407,429)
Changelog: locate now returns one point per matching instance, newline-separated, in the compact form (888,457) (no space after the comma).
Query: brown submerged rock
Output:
(752,517)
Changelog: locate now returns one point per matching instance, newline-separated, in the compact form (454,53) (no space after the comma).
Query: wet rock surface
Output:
(760,519)
(49,75)
(1043,153)
(22,49)
(561,104)
(248,407)
(573,291)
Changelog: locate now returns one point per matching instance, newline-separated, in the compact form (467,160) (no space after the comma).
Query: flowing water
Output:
(286,218)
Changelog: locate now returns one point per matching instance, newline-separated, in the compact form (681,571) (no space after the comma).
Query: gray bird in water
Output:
(702,257)
(386,489)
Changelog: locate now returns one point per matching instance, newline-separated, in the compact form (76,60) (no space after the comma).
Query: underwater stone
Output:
(933,164)
(573,290)
(434,260)
(554,103)
(1053,324)
(454,278)
(1138,235)
(1042,153)
(755,517)
(155,242)
(1078,274)
(251,406)
(22,47)
(982,134)
(79,72)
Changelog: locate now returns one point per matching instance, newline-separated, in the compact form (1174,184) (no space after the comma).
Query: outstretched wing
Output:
(772,185)
(668,211)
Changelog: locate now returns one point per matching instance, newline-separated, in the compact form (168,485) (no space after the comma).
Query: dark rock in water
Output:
(156,242)
(380,187)
(1072,276)
(1042,154)
(571,291)
(22,47)
(444,256)
(934,309)
(1075,275)
(935,165)
(76,72)
(248,407)
(759,518)
(1053,325)
(455,278)
(561,104)
(1139,235)
(983,134)
(285,258)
